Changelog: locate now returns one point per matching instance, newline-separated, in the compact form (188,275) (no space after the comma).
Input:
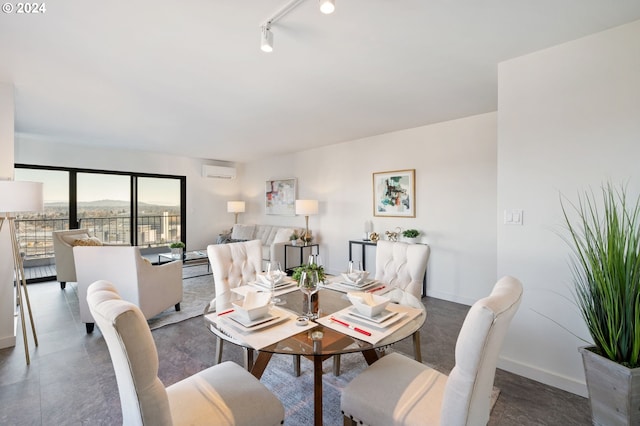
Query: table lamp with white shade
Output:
(19,196)
(235,207)
(306,208)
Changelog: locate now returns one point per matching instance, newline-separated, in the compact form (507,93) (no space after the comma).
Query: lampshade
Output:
(20,196)
(306,207)
(235,206)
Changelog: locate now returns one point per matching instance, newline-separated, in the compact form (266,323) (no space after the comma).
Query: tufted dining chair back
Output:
(415,394)
(217,395)
(402,265)
(233,265)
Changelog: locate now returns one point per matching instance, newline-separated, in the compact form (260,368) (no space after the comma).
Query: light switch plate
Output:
(513,217)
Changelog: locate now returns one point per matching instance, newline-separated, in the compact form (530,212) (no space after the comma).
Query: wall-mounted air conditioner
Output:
(218,172)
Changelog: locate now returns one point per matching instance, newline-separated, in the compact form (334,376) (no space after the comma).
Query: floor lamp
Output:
(18,196)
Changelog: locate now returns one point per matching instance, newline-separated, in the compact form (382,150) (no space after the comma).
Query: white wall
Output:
(7,305)
(569,119)
(455,165)
(206,197)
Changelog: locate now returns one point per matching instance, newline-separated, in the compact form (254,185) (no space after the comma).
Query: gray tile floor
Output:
(71,382)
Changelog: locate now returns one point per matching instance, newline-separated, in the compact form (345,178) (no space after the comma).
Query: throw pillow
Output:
(283,234)
(242,232)
(70,238)
(91,241)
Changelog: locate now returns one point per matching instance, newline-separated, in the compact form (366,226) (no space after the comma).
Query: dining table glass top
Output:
(319,339)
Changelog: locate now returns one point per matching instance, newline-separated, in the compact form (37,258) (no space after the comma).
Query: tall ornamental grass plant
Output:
(605,238)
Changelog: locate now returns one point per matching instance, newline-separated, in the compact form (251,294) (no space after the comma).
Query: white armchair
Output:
(63,242)
(153,288)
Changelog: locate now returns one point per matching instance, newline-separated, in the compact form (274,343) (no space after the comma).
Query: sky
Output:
(92,187)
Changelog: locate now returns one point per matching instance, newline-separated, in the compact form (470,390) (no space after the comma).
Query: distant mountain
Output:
(101,204)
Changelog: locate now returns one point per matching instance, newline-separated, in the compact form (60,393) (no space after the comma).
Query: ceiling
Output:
(189,78)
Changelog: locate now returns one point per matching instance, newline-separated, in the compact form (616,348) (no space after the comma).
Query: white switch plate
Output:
(513,217)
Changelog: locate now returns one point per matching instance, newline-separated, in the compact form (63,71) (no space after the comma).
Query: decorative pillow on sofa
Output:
(283,234)
(242,232)
(91,241)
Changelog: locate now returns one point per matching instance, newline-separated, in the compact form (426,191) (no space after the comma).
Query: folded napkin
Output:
(263,278)
(361,297)
(355,277)
(254,299)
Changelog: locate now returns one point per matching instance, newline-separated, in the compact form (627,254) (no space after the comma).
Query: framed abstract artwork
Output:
(394,193)
(280,197)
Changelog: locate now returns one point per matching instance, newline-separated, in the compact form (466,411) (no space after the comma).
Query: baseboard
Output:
(7,341)
(548,378)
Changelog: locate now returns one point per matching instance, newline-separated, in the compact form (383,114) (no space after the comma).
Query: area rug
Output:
(197,291)
(296,393)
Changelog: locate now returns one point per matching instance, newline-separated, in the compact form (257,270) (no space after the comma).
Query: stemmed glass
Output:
(273,274)
(309,286)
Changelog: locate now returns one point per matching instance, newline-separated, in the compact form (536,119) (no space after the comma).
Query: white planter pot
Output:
(614,390)
(411,240)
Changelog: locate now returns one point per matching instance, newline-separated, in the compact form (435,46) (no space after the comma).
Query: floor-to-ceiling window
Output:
(117,207)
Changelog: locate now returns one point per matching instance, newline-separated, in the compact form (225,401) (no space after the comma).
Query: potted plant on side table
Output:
(411,235)
(177,249)
(606,278)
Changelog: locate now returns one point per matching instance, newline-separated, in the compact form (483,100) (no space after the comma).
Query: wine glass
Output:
(273,275)
(309,286)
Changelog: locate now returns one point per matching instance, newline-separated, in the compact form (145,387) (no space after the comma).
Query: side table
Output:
(301,251)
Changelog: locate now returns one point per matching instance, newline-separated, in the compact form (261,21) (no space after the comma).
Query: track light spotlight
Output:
(266,39)
(327,6)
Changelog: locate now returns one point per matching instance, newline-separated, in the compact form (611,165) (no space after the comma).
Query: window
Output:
(117,207)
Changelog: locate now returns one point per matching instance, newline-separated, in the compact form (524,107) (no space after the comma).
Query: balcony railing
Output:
(36,241)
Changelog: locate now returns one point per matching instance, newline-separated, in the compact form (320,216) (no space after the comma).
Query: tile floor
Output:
(71,382)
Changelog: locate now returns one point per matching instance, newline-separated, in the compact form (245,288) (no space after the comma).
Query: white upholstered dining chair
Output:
(224,394)
(397,390)
(232,265)
(400,265)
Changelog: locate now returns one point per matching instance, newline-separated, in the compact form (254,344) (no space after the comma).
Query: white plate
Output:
(349,287)
(256,324)
(385,319)
(281,284)
(359,285)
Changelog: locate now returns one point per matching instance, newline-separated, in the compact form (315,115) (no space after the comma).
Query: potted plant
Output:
(294,238)
(297,275)
(606,279)
(297,272)
(411,235)
(177,248)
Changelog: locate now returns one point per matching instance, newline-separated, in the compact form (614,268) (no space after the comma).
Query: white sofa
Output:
(273,239)
(153,288)
(63,243)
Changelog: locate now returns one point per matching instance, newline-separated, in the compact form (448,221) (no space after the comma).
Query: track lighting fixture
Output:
(327,6)
(266,39)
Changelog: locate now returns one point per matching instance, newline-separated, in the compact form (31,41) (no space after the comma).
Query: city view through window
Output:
(104,205)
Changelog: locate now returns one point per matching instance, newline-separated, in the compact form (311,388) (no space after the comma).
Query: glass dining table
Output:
(317,342)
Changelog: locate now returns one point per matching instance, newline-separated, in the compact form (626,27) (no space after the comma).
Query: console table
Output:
(363,244)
